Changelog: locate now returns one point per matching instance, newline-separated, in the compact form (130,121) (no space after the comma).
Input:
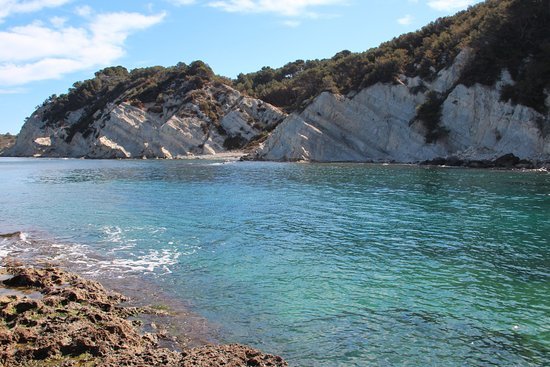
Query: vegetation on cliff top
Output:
(504,34)
(145,88)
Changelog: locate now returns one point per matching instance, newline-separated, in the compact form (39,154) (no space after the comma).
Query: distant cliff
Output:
(474,87)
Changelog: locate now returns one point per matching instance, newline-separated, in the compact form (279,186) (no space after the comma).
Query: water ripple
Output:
(328,265)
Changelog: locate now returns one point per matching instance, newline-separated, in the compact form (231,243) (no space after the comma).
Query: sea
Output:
(324,264)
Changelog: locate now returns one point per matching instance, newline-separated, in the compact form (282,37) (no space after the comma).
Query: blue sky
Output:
(47,45)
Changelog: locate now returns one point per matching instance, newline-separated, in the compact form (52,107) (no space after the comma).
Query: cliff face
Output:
(174,126)
(381,123)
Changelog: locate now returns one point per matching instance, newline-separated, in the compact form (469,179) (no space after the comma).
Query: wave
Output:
(116,254)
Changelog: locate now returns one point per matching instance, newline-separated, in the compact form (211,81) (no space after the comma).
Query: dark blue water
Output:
(326,265)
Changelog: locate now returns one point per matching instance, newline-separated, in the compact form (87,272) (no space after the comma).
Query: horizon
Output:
(48,45)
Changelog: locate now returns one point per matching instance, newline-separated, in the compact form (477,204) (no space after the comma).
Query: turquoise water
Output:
(326,265)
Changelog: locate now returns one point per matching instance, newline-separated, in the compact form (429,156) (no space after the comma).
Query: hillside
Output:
(146,113)
(503,34)
(472,88)
(473,85)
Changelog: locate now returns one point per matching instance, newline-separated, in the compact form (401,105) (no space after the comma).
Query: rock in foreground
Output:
(77,322)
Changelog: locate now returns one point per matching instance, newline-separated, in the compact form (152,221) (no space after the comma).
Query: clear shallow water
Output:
(327,265)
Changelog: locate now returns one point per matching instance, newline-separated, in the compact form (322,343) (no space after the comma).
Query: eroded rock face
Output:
(211,120)
(380,124)
(372,126)
(483,127)
(77,322)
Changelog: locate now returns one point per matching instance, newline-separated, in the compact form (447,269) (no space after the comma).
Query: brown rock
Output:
(233,355)
(79,321)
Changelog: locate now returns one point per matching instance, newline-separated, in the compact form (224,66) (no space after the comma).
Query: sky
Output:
(48,45)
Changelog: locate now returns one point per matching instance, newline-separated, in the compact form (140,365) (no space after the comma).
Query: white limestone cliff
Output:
(380,124)
(179,128)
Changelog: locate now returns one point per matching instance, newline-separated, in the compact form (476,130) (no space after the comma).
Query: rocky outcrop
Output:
(213,119)
(76,322)
(507,161)
(6,141)
(382,124)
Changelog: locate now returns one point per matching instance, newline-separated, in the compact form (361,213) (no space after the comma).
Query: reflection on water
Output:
(327,265)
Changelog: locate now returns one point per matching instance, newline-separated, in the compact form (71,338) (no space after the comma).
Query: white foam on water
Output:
(23,237)
(118,252)
(9,245)
(151,262)
(3,250)
(121,259)
(112,234)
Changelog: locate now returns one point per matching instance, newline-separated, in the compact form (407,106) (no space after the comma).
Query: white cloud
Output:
(84,11)
(449,5)
(10,7)
(406,20)
(58,22)
(38,52)
(183,2)
(289,8)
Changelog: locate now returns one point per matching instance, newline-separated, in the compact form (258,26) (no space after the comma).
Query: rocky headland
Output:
(125,115)
(50,317)
(381,124)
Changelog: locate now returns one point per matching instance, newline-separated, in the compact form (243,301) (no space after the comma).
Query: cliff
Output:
(471,87)
(170,113)
(383,123)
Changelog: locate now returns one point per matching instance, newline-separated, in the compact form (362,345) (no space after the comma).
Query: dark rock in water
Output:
(434,162)
(478,164)
(524,164)
(455,162)
(449,161)
(10,235)
(507,161)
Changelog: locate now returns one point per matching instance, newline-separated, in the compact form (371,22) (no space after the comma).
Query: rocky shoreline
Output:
(50,317)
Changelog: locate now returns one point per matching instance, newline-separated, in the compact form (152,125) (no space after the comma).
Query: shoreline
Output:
(504,163)
(54,317)
(37,248)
